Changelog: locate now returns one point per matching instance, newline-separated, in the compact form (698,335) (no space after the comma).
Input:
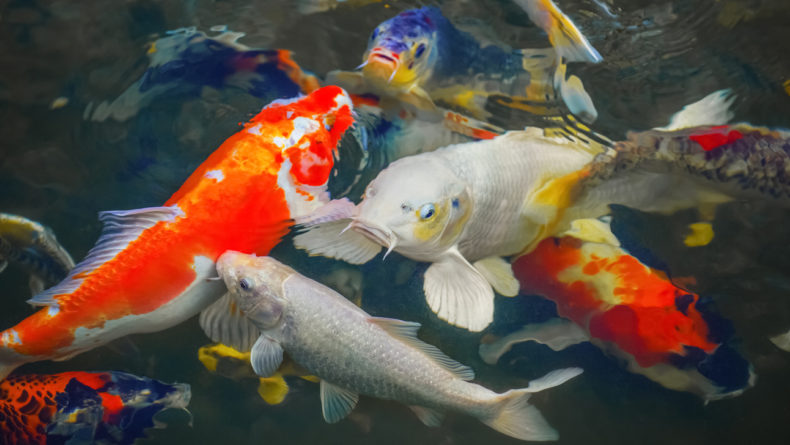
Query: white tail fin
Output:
(517,418)
(713,109)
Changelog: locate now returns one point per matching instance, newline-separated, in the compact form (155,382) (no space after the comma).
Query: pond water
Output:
(61,162)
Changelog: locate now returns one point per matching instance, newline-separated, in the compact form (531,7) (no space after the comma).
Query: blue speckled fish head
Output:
(403,50)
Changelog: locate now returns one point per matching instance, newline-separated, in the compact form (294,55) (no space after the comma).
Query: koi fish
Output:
(233,364)
(627,309)
(149,269)
(83,407)
(35,248)
(422,59)
(186,60)
(465,206)
(353,353)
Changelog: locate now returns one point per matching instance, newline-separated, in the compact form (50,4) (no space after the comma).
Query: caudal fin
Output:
(517,418)
(566,38)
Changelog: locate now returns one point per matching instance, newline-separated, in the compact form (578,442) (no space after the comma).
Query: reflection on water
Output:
(67,153)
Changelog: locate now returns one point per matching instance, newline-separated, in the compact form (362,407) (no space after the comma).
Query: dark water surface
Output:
(60,168)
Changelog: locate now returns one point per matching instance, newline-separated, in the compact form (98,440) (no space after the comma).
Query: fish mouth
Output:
(378,234)
(380,56)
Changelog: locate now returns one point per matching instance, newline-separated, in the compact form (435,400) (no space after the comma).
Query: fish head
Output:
(417,206)
(256,285)
(402,50)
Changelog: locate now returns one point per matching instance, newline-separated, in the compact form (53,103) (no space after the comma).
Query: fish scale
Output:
(505,173)
(364,356)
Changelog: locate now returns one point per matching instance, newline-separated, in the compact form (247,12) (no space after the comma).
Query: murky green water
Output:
(60,168)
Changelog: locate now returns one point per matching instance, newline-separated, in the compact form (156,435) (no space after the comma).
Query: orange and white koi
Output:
(149,269)
(629,310)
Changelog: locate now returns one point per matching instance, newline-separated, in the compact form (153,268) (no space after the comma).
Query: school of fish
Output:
(492,208)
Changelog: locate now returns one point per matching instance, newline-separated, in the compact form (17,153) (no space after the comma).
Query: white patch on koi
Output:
(300,204)
(197,296)
(302,126)
(53,310)
(255,129)
(284,101)
(216,175)
(178,214)
(342,100)
(11,337)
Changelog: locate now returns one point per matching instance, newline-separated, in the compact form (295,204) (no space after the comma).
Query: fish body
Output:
(187,60)
(464,206)
(422,59)
(353,353)
(630,311)
(35,248)
(83,407)
(150,267)
(461,208)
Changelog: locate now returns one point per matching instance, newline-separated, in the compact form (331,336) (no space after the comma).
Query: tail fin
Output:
(566,38)
(517,418)
(713,109)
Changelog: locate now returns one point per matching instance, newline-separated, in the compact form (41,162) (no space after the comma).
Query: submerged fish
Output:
(629,310)
(421,58)
(35,248)
(465,206)
(233,364)
(353,353)
(150,268)
(83,407)
(186,60)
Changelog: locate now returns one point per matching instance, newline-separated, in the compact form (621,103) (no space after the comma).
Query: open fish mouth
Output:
(377,234)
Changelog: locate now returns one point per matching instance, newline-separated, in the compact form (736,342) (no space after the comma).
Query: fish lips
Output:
(383,59)
(376,233)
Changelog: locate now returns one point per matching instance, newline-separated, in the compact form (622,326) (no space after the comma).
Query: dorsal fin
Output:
(406,331)
(120,228)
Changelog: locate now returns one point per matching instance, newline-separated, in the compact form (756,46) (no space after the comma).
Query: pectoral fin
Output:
(336,402)
(266,356)
(224,323)
(324,233)
(419,98)
(499,274)
(458,293)
(352,81)
(557,334)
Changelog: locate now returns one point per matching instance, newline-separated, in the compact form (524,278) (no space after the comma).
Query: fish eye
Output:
(420,50)
(375,34)
(245,284)
(427,211)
